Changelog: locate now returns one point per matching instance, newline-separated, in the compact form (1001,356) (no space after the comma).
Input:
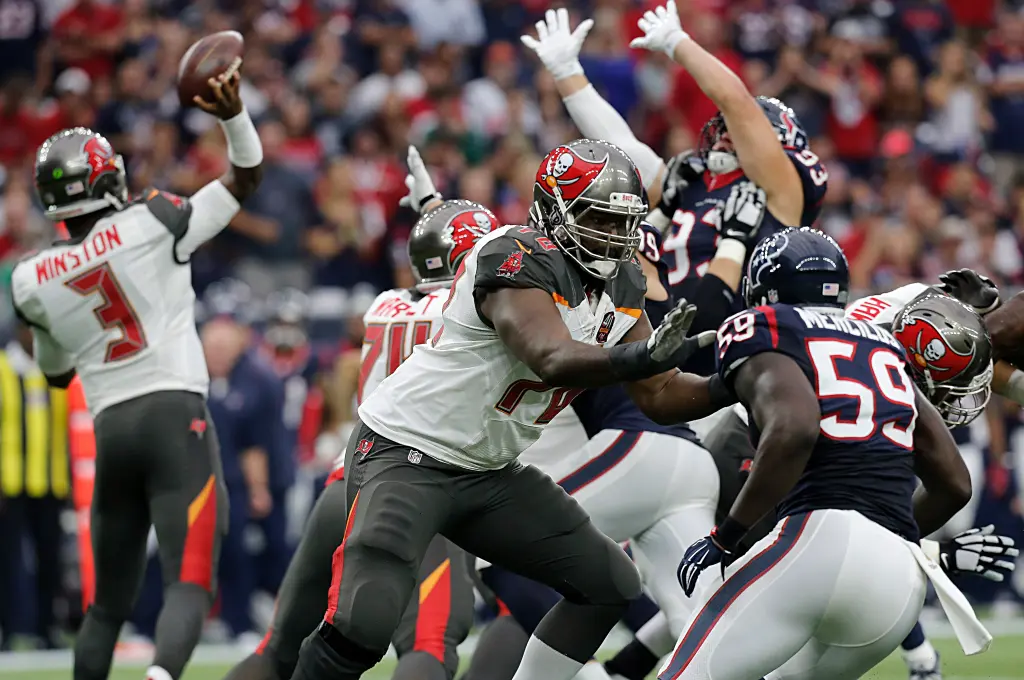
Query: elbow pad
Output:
(715,303)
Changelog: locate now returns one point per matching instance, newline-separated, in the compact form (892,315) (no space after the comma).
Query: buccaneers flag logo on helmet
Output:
(571,174)
(101,158)
(929,351)
(465,229)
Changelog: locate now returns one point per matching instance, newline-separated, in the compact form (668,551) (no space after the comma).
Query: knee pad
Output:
(373,596)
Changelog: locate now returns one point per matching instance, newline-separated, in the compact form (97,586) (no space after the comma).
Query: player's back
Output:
(863,459)
(118,302)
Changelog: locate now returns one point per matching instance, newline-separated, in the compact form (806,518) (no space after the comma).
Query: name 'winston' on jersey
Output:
(464,398)
(864,457)
(692,239)
(117,304)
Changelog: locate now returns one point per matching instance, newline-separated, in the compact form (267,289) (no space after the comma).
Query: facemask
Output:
(720,162)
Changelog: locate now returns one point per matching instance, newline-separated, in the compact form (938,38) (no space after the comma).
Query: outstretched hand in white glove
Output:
(557,47)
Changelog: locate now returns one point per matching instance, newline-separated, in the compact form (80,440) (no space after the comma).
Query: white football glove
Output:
(669,341)
(742,213)
(662,31)
(978,552)
(557,47)
(421,187)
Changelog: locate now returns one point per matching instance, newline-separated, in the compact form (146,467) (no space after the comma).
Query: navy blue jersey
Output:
(610,408)
(692,238)
(864,457)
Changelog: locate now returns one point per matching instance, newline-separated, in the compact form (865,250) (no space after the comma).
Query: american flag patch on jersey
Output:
(433,263)
(830,289)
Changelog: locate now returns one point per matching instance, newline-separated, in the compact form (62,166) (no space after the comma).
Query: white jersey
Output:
(464,398)
(882,309)
(117,304)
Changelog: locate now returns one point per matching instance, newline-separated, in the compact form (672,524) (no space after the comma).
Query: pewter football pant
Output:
(827,594)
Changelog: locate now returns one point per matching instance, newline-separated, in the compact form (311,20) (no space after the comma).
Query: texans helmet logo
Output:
(929,351)
(101,158)
(567,172)
(465,229)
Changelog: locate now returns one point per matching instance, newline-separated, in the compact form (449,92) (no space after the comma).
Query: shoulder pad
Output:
(744,335)
(629,287)
(170,210)
(523,258)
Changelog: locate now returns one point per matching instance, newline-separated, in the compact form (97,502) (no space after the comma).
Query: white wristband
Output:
(563,70)
(733,250)
(1015,386)
(673,40)
(244,147)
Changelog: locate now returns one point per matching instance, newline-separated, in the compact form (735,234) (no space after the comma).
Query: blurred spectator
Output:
(485,101)
(246,401)
(1004,75)
(22,35)
(72,108)
(903,101)
(958,113)
(919,27)
(19,125)
(88,35)
(380,23)
(867,24)
(756,28)
(394,77)
(456,22)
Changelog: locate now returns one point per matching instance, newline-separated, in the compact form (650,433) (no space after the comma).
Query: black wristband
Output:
(728,534)
(631,361)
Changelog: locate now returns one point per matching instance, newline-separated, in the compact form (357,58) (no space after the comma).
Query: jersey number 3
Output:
(891,383)
(114,311)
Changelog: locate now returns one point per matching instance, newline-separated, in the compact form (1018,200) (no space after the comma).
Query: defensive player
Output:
(841,431)
(115,303)
(528,325)
(756,138)
(439,619)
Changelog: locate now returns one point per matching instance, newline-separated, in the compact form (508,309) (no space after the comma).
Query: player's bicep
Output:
(211,209)
(528,322)
(780,399)
(765,162)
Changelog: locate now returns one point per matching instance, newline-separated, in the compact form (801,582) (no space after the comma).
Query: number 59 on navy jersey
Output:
(863,459)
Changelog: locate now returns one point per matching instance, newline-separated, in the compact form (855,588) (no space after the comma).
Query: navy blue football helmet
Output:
(797,266)
(787,126)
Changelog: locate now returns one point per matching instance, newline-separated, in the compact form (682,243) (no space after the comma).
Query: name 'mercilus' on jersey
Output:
(692,239)
(864,457)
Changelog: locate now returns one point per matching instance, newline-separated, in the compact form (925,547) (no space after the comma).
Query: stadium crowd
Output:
(915,106)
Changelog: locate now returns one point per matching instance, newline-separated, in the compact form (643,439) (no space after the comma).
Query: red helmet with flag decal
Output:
(589,199)
(78,172)
(949,354)
(440,240)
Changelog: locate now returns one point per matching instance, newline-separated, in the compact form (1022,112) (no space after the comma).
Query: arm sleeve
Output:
(53,360)
(597,119)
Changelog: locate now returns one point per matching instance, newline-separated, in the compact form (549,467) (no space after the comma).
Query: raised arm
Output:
(754,139)
(558,48)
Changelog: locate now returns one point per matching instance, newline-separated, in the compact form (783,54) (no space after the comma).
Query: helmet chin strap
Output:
(721,162)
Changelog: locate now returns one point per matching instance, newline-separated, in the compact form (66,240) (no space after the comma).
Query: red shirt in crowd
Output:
(89,20)
(855,136)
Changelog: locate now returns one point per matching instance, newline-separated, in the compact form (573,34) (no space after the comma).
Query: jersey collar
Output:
(712,181)
(827,311)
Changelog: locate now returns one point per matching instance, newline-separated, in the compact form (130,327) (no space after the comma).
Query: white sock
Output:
(922,656)
(656,636)
(157,673)
(593,671)
(541,661)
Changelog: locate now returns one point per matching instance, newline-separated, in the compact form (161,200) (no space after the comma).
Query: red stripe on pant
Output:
(262,646)
(197,558)
(338,565)
(435,605)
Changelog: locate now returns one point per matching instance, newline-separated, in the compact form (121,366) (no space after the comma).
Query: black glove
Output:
(680,171)
(979,552)
(742,213)
(971,288)
(667,347)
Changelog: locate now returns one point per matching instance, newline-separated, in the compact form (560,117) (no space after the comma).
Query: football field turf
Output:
(1003,661)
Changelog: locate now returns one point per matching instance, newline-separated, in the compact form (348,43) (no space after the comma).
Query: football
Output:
(208,58)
